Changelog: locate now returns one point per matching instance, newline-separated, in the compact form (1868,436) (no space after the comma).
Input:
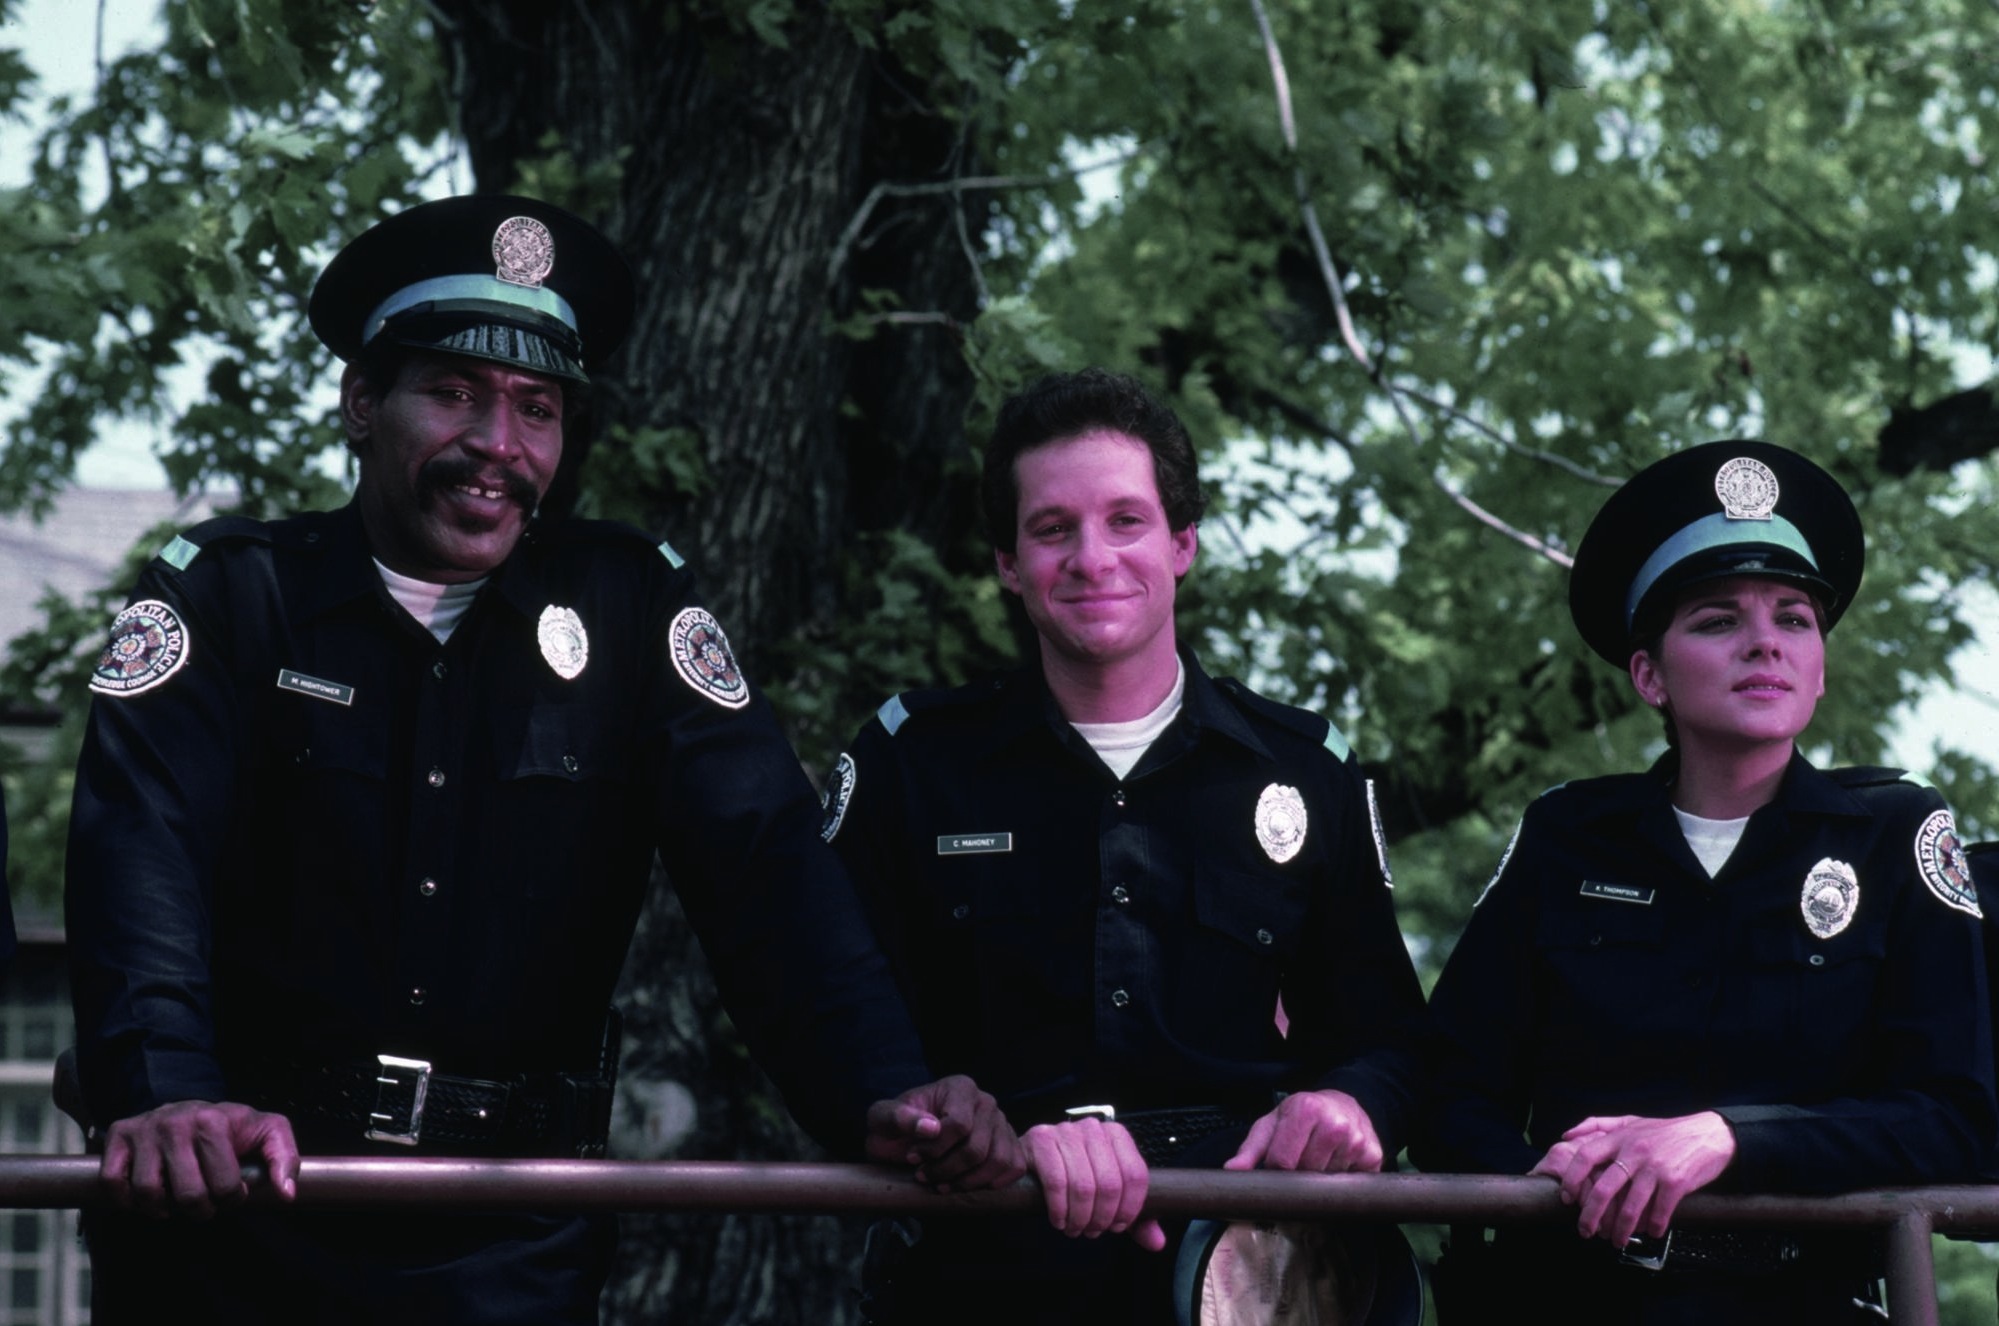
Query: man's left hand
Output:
(954,1134)
(1320,1132)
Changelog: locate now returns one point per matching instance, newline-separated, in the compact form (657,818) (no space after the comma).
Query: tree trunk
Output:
(727,169)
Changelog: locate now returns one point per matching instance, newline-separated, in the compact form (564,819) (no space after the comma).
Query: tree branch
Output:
(1335,288)
(1563,463)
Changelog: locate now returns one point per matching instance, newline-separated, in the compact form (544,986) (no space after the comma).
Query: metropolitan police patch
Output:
(1945,868)
(1831,896)
(148,645)
(839,787)
(701,656)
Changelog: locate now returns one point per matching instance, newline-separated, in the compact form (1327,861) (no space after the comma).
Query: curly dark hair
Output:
(1066,405)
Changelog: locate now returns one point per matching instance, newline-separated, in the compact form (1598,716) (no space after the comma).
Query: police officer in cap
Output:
(1734,970)
(366,810)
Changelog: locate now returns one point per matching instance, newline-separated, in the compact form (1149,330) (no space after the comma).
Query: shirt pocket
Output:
(560,815)
(1258,914)
(1608,979)
(1826,987)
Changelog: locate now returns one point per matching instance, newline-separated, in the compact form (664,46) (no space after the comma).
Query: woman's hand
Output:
(1629,1174)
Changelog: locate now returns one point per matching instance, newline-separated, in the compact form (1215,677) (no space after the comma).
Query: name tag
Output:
(313,686)
(966,844)
(1617,892)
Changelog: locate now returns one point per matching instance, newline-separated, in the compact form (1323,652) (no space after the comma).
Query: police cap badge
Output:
(512,280)
(1710,511)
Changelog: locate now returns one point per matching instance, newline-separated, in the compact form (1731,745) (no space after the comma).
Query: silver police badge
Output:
(1747,489)
(524,250)
(1943,864)
(1832,895)
(833,802)
(564,643)
(701,656)
(1280,822)
(148,645)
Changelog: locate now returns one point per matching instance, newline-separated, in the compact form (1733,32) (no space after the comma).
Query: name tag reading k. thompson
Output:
(1618,892)
(966,844)
(313,686)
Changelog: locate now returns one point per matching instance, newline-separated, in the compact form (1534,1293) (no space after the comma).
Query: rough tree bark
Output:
(737,166)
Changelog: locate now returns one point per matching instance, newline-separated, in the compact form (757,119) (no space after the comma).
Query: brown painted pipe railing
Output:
(1908,1216)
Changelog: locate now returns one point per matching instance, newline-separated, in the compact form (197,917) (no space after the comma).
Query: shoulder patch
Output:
(839,790)
(893,713)
(148,645)
(1941,860)
(702,658)
(1380,838)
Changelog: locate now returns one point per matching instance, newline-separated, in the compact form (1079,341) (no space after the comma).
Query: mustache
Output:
(454,471)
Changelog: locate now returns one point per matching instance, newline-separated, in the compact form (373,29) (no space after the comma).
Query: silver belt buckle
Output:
(1647,1253)
(396,1072)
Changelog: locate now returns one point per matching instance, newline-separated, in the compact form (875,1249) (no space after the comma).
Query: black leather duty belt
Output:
(409,1103)
(1163,1134)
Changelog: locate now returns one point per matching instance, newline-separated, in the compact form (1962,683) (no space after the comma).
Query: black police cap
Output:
(512,280)
(1714,510)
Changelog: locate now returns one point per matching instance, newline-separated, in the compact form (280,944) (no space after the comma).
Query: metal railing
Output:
(1906,1216)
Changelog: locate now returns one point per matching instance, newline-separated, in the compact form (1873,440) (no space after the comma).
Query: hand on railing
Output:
(1629,1174)
(953,1134)
(186,1158)
(1093,1180)
(1320,1132)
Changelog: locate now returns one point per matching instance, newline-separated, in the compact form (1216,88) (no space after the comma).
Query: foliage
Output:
(1570,235)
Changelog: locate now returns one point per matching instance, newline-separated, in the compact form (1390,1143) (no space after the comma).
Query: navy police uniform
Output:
(1604,973)
(306,834)
(1072,939)
(1823,991)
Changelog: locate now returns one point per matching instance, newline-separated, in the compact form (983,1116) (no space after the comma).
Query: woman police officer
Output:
(1732,969)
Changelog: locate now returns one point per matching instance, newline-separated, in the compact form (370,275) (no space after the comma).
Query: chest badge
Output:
(1832,895)
(148,645)
(1941,858)
(1280,822)
(564,642)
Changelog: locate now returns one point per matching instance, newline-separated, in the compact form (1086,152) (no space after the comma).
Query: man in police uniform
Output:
(366,810)
(1098,876)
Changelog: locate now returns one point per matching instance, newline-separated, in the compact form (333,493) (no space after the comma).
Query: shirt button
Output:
(1120,894)
(1817,959)
(1696,979)
(416,995)
(436,778)
(1119,998)
(303,757)
(1265,937)
(427,888)
(437,669)
(960,912)
(569,764)
(1117,797)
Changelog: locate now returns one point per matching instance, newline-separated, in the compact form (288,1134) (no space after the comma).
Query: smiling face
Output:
(455,455)
(1094,561)
(1740,664)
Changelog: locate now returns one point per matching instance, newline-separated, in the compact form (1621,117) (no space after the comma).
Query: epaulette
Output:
(897,709)
(183,548)
(575,529)
(1316,727)
(1875,776)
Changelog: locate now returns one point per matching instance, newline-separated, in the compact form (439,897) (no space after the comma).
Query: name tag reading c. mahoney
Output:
(1618,892)
(966,844)
(315,687)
